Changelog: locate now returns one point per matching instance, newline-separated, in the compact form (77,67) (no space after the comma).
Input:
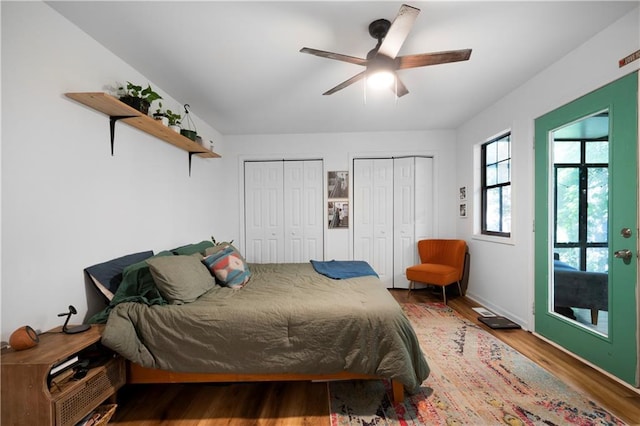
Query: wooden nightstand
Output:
(26,397)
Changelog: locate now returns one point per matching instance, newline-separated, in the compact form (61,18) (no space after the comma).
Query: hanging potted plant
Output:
(188,126)
(174,120)
(137,97)
(160,115)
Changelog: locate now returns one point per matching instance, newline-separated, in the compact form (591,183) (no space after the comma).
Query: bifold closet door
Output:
(425,201)
(412,212)
(284,211)
(392,210)
(373,215)
(303,211)
(404,199)
(264,218)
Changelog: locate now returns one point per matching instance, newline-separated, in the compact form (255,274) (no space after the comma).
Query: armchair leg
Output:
(460,289)
(444,294)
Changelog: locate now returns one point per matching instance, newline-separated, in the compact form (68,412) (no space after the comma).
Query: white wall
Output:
(337,151)
(66,203)
(508,288)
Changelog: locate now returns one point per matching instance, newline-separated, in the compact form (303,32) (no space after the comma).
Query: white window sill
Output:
(494,239)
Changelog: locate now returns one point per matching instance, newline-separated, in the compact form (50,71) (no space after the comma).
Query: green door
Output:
(586,227)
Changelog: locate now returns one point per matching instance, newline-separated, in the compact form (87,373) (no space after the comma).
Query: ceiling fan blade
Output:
(346,83)
(399,88)
(435,58)
(398,31)
(336,56)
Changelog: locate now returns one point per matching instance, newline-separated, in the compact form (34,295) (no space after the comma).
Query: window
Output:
(581,194)
(496,186)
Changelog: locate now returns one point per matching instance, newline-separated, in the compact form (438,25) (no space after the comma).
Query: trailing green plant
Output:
(135,91)
(137,97)
(174,118)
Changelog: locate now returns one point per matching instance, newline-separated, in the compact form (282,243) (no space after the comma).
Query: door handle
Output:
(624,254)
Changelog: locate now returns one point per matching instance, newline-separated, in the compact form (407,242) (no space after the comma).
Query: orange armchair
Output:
(441,263)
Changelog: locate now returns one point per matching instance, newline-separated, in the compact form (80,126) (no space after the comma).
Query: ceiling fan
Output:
(382,61)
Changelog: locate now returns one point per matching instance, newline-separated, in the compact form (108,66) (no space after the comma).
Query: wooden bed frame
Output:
(137,374)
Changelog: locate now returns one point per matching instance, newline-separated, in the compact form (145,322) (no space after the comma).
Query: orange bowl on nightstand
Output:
(23,338)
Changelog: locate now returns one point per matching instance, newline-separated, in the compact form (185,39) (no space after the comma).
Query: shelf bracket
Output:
(191,154)
(112,126)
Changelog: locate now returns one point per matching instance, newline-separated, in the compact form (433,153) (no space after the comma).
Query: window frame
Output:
(484,187)
(583,167)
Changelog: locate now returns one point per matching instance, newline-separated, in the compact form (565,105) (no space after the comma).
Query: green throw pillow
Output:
(138,282)
(137,286)
(181,279)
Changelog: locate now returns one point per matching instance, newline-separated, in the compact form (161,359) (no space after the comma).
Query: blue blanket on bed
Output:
(341,269)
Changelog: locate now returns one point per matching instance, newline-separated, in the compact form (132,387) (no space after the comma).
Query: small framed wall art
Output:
(338,214)
(463,193)
(463,209)
(338,185)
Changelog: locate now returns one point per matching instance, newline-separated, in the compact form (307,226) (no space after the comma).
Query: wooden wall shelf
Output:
(119,111)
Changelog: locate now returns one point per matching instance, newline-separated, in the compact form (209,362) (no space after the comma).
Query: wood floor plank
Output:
(241,404)
(306,403)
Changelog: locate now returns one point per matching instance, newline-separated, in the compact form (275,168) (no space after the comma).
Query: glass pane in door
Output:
(579,290)
(567,195)
(597,204)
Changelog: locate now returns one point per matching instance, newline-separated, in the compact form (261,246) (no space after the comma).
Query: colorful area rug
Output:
(475,379)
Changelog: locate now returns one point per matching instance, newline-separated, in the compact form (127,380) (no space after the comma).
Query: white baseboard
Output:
(498,311)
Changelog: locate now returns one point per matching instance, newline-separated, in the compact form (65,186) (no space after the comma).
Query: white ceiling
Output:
(237,63)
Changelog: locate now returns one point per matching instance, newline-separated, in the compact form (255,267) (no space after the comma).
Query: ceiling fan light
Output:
(382,79)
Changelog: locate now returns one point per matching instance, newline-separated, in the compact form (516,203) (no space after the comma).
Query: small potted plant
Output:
(160,115)
(137,97)
(174,120)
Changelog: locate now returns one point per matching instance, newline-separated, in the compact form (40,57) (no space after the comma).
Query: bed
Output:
(285,322)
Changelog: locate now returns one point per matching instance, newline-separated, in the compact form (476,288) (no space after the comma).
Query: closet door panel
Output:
(373,216)
(313,211)
(263,212)
(254,229)
(362,212)
(303,232)
(293,211)
(424,210)
(403,219)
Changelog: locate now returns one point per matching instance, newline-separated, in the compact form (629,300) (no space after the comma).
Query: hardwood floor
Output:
(243,404)
(304,403)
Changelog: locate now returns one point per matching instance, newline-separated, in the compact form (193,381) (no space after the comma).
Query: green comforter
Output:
(287,319)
